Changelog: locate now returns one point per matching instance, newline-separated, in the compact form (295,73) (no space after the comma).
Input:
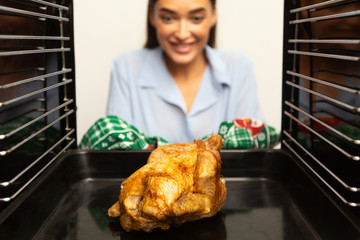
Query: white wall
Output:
(104,29)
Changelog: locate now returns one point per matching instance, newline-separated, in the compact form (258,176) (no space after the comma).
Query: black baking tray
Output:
(269,196)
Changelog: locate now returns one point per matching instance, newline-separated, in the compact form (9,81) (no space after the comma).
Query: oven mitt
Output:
(247,133)
(112,132)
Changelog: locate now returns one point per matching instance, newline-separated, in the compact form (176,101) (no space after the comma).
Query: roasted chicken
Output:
(180,183)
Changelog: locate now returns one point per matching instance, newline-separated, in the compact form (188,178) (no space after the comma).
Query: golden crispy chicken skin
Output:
(180,183)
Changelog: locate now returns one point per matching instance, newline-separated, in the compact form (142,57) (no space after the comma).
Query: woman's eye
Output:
(167,19)
(197,19)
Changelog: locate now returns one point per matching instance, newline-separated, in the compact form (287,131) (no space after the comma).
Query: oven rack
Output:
(321,81)
(37,90)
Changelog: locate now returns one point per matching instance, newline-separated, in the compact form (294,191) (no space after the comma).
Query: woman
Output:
(178,87)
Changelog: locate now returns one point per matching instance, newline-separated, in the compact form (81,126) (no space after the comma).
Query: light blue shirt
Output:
(143,93)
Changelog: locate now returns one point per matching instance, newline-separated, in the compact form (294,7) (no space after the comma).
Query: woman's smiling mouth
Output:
(182,48)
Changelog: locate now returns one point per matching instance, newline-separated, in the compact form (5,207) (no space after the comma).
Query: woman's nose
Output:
(182,31)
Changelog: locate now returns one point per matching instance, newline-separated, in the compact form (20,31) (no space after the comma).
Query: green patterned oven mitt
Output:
(247,133)
(112,132)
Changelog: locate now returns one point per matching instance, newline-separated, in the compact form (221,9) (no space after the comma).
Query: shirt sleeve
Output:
(245,92)
(119,94)
(254,109)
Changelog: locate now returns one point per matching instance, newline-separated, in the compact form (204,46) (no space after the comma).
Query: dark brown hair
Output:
(151,39)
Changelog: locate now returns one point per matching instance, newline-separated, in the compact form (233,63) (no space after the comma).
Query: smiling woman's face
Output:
(183,27)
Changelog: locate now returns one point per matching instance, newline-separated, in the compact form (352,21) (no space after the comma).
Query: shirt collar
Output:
(155,71)
(155,75)
(217,65)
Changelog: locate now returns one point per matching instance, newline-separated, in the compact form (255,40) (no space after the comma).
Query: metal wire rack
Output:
(320,91)
(321,83)
(37,90)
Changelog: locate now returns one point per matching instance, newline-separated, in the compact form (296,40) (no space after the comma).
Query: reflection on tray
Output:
(209,228)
